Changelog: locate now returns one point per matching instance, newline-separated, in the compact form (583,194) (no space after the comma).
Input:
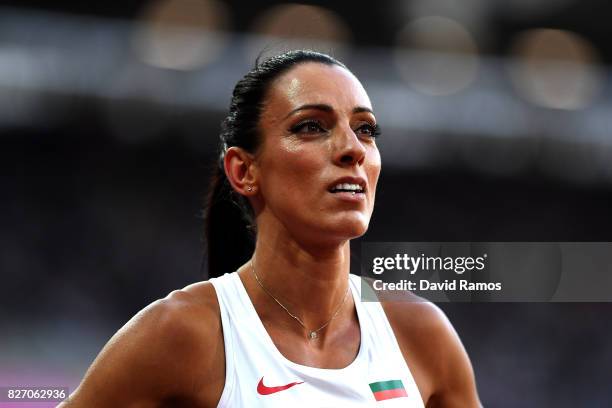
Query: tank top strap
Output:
(225,295)
(379,332)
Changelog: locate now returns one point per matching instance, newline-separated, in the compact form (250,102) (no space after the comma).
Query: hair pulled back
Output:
(229,218)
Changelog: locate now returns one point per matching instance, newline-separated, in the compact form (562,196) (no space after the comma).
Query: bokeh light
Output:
(470,13)
(292,26)
(555,69)
(181,34)
(436,55)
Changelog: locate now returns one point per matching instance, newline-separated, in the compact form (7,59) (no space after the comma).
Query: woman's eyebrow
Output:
(360,109)
(318,106)
(326,108)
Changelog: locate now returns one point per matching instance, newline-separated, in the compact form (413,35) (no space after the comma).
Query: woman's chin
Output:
(331,230)
(349,227)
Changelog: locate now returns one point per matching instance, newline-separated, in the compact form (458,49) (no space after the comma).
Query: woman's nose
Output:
(349,149)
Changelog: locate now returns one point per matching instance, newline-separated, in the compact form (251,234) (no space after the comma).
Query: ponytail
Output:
(229,240)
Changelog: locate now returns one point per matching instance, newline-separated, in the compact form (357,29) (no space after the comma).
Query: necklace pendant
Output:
(312,335)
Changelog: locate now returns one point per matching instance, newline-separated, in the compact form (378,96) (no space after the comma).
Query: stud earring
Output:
(249,188)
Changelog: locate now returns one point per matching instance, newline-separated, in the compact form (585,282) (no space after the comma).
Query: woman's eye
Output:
(368,130)
(308,127)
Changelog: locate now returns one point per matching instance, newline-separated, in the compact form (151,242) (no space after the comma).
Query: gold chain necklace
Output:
(312,334)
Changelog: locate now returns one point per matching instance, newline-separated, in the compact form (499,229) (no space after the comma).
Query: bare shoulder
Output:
(419,318)
(434,352)
(172,350)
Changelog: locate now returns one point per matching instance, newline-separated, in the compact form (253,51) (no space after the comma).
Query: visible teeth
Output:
(346,186)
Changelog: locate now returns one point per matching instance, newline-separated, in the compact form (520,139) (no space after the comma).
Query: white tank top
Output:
(258,375)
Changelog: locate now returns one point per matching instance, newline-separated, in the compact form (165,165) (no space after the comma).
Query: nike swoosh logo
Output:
(263,390)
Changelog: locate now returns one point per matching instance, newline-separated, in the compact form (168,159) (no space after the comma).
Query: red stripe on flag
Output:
(388,394)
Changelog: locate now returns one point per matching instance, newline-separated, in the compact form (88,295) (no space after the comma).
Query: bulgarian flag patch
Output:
(384,390)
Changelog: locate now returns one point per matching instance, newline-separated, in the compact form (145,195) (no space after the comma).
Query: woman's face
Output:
(318,164)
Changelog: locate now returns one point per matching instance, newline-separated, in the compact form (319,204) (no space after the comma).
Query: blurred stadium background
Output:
(497,126)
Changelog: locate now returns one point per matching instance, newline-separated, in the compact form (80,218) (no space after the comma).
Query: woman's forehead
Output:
(316,83)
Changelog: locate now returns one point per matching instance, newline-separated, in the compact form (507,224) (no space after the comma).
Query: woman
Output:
(298,151)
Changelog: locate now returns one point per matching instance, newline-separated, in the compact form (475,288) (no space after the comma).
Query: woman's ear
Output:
(240,169)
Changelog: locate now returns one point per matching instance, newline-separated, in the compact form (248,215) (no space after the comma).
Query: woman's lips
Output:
(349,196)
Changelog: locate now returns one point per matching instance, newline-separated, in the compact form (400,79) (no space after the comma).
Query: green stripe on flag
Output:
(386,385)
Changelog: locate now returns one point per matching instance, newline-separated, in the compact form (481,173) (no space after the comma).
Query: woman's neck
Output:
(310,281)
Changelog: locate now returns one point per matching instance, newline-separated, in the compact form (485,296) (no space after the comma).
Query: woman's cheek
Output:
(306,159)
